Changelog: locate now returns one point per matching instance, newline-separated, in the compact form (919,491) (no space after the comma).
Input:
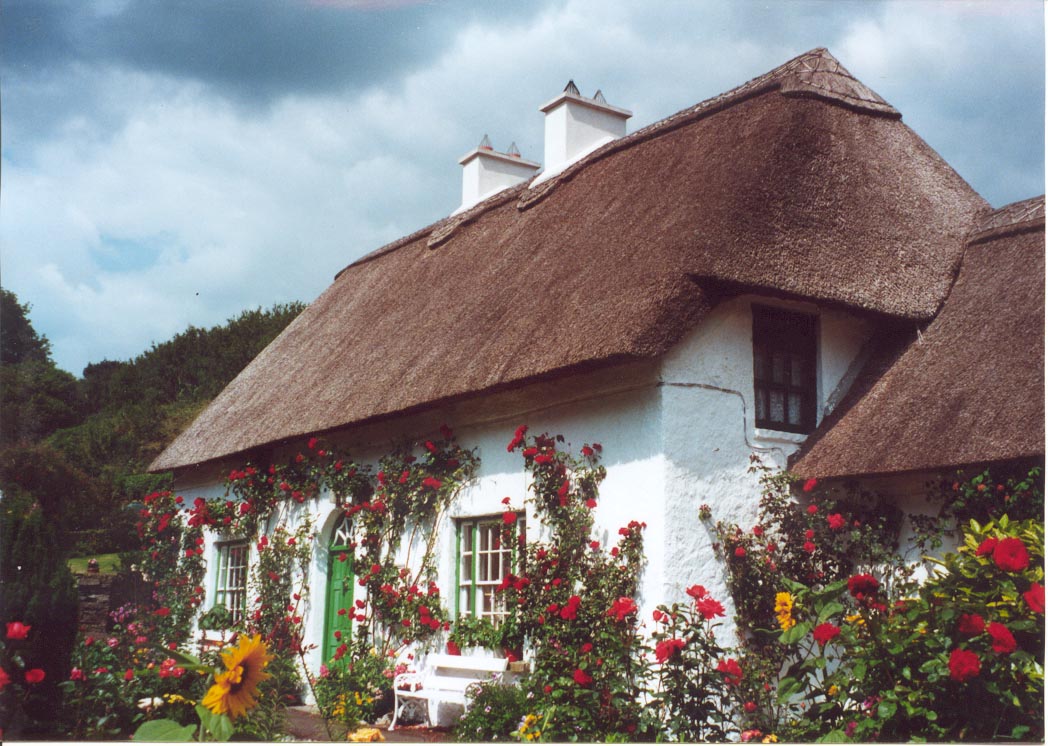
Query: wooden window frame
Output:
(230,590)
(791,336)
(474,594)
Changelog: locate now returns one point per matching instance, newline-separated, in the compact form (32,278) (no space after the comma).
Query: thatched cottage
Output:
(784,266)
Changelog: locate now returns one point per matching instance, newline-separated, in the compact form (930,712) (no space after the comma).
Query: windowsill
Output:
(778,436)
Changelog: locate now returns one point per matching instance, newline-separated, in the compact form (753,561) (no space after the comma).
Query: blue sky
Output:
(168,163)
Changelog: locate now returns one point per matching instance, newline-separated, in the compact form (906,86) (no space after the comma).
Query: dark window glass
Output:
(784,347)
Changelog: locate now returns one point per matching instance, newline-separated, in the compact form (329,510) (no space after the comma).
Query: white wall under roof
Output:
(677,433)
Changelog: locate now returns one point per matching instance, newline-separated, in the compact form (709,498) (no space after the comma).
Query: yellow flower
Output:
(177,699)
(784,610)
(855,619)
(770,738)
(235,689)
(365,735)
(832,691)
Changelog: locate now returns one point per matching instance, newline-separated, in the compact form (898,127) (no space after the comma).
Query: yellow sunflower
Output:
(235,689)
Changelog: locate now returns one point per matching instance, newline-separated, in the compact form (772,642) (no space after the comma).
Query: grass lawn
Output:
(108,564)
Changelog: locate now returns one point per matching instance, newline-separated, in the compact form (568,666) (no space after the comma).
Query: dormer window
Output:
(784,358)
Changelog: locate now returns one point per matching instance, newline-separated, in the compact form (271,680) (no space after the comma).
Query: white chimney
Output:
(576,126)
(485,172)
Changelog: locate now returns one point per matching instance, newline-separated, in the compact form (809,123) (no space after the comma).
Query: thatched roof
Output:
(802,182)
(970,388)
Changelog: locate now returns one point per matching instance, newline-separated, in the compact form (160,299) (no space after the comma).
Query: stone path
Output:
(304,724)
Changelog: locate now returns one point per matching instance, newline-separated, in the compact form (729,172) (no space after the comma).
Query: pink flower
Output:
(17,630)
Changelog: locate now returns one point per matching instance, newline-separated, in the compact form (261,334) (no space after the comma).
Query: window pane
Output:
(760,360)
(795,409)
(778,367)
(796,370)
(777,406)
(762,404)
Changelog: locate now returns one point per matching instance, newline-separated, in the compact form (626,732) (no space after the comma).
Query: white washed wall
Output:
(677,433)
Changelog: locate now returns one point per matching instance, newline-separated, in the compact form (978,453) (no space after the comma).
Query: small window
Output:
(231,583)
(784,358)
(483,561)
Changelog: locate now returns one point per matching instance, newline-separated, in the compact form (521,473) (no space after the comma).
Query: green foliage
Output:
(358,691)
(19,342)
(475,631)
(39,591)
(496,711)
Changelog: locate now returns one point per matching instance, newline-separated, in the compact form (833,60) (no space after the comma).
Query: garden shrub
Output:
(496,711)
(38,592)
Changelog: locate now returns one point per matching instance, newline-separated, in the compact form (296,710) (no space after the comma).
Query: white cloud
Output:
(233,207)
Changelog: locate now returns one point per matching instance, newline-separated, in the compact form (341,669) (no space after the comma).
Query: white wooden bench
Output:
(443,679)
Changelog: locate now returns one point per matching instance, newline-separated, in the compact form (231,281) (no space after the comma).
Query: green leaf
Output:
(788,688)
(834,736)
(795,633)
(163,730)
(1019,731)
(830,610)
(219,726)
(886,710)
(859,672)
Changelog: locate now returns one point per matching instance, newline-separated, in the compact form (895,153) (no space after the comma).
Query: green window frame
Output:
(231,577)
(481,562)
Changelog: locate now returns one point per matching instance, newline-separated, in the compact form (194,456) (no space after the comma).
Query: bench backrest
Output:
(457,672)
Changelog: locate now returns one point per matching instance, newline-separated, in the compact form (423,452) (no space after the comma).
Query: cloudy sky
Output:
(173,162)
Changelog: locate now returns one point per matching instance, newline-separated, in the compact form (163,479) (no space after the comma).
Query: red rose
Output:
(709,608)
(591,503)
(582,678)
(571,608)
(697,592)
(825,632)
(809,547)
(432,483)
(758,530)
(1010,555)
(812,509)
(518,438)
(740,551)
(129,674)
(621,608)
(971,625)
(17,630)
(587,451)
(862,585)
(665,650)
(453,648)
(1003,640)
(809,534)
(5,679)
(810,485)
(750,706)
(731,670)
(964,665)
(836,521)
(509,518)
(547,689)
(1035,598)
(986,547)
(34,676)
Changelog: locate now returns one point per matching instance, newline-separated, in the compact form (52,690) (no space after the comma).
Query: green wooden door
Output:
(339,597)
